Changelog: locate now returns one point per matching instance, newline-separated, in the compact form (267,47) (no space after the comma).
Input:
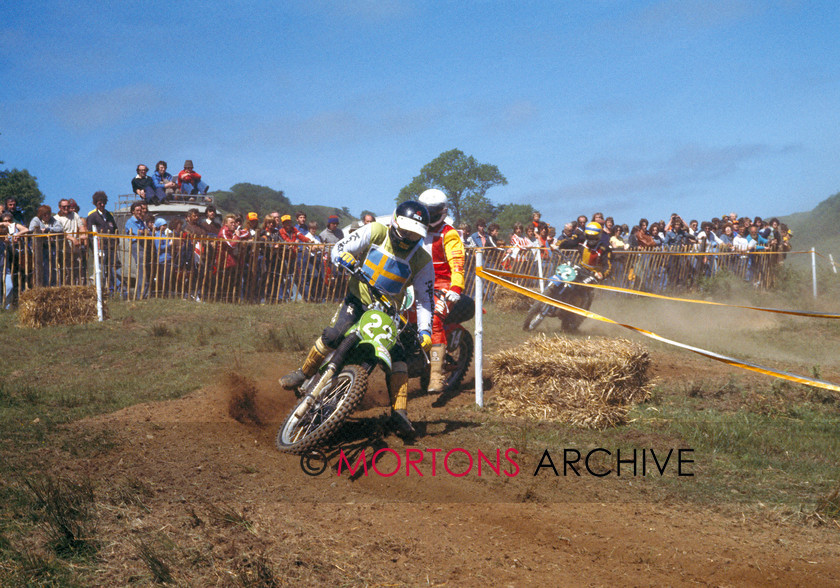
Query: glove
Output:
(347,260)
(425,340)
(441,308)
(452,296)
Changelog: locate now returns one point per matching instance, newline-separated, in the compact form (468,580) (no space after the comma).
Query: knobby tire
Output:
(323,419)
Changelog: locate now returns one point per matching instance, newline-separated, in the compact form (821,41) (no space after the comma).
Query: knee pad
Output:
(331,337)
(322,347)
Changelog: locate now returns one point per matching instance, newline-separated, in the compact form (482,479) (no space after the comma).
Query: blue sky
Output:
(631,108)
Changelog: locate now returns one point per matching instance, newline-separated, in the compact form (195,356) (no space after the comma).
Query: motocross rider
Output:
(447,250)
(392,258)
(595,254)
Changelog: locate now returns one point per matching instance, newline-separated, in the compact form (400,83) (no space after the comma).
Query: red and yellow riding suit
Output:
(597,259)
(447,251)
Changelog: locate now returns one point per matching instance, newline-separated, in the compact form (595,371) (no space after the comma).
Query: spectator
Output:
(140,250)
(102,221)
(189,180)
(368,218)
(518,243)
(332,234)
(195,248)
(12,207)
(616,242)
(163,180)
(531,236)
(656,235)
(294,257)
(568,238)
(73,249)
(10,232)
(289,233)
(163,256)
(493,234)
(144,187)
(480,238)
(301,225)
(535,220)
(228,257)
(211,223)
(580,227)
(46,247)
(542,240)
(727,237)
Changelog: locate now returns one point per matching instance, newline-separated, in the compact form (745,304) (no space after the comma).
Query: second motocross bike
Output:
(459,343)
(562,286)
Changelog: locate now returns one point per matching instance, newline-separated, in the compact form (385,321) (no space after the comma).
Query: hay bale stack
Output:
(590,383)
(508,300)
(63,305)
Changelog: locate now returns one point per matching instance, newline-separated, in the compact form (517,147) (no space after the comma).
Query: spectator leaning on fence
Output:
(102,221)
(332,234)
(10,232)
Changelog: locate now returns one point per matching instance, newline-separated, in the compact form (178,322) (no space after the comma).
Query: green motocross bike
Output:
(337,388)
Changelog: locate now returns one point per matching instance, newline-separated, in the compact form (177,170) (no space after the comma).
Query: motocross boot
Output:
(317,354)
(436,379)
(398,391)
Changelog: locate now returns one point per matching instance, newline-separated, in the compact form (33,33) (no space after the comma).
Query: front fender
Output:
(378,350)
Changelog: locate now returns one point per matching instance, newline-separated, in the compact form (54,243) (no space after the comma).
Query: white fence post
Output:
(97,273)
(479,330)
(833,267)
(814,270)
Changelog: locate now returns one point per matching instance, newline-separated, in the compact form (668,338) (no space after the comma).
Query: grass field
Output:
(760,444)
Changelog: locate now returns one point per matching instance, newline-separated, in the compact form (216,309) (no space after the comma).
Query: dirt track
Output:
(187,474)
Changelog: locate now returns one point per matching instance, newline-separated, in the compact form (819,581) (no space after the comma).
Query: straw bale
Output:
(62,305)
(591,383)
(508,300)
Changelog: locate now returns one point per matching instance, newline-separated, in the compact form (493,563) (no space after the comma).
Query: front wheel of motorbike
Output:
(535,316)
(456,362)
(338,399)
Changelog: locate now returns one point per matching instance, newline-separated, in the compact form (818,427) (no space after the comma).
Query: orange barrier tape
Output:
(490,276)
(812,314)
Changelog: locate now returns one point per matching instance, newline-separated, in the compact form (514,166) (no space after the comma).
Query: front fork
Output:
(333,364)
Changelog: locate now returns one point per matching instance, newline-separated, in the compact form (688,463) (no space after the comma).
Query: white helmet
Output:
(435,202)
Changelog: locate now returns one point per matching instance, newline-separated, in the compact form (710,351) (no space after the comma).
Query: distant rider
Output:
(392,258)
(595,255)
(447,251)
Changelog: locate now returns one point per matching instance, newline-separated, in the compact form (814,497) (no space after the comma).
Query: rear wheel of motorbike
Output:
(456,362)
(570,321)
(535,316)
(321,420)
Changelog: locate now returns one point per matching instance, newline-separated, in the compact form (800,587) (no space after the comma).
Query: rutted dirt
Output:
(236,509)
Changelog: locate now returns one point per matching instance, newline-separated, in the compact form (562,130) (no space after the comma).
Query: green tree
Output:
(508,214)
(22,186)
(246,197)
(474,207)
(461,178)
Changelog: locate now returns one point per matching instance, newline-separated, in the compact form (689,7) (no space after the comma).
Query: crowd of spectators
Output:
(210,246)
(729,233)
